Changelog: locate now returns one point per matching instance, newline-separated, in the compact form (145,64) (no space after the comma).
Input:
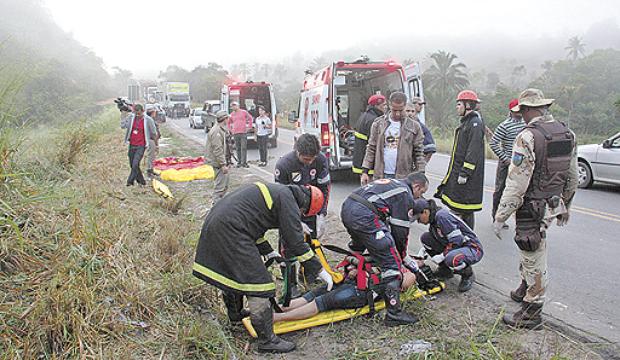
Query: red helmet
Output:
(513,103)
(376,100)
(316,200)
(467,95)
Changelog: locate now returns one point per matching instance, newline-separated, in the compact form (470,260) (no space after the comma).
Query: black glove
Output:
(312,268)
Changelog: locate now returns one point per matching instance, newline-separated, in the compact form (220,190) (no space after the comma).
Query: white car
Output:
(195,119)
(599,162)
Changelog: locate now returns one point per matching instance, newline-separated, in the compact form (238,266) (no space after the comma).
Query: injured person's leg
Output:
(343,296)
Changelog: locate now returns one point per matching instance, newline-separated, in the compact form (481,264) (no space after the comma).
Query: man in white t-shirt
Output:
(396,144)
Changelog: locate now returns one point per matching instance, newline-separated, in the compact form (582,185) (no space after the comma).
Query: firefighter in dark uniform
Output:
(306,165)
(231,243)
(376,217)
(542,180)
(449,243)
(461,189)
(376,108)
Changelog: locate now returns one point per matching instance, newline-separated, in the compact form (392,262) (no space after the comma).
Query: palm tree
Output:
(442,81)
(576,48)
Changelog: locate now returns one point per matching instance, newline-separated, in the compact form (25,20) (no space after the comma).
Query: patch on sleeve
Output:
(517,158)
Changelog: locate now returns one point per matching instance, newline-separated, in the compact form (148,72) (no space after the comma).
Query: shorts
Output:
(345,296)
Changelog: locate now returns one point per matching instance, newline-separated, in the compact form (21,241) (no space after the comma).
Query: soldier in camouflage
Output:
(541,183)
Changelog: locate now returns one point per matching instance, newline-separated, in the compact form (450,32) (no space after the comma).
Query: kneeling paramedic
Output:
(376,217)
(450,243)
(346,295)
(232,241)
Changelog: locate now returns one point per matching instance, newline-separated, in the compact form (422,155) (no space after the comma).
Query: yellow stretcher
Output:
(333,316)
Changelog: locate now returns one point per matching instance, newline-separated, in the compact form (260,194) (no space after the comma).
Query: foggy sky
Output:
(189,33)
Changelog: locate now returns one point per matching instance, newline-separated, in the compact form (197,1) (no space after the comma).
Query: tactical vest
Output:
(553,148)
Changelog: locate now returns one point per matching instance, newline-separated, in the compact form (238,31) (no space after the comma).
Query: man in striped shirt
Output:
(501,144)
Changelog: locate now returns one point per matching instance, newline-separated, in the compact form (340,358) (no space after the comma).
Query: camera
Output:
(123,105)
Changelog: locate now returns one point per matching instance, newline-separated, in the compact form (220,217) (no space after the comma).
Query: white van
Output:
(332,100)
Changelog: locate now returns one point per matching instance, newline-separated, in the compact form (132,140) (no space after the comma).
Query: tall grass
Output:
(91,268)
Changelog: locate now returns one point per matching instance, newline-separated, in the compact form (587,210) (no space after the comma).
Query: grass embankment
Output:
(92,268)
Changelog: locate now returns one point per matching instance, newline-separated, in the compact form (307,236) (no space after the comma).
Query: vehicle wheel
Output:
(584,175)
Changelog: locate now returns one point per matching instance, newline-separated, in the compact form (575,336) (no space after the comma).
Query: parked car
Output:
(599,162)
(195,119)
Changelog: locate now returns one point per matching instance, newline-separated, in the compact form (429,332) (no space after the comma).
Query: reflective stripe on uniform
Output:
(261,240)
(323,180)
(469,166)
(456,205)
(357,170)
(266,195)
(387,194)
(399,222)
(231,283)
(454,233)
(361,136)
(306,256)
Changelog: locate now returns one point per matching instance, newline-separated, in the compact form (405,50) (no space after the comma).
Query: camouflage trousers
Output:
(220,184)
(533,268)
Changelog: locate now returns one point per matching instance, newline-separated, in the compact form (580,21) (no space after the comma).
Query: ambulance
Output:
(333,98)
(250,95)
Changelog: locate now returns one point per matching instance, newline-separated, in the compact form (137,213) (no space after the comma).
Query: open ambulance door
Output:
(414,85)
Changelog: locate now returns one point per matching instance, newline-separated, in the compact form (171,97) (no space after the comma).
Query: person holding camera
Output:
(262,125)
(140,132)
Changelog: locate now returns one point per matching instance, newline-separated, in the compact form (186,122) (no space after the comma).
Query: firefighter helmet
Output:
(467,95)
(316,200)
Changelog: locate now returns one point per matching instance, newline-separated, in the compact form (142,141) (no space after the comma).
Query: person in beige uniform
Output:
(216,155)
(541,183)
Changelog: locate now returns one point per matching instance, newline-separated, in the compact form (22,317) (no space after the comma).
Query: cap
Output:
(532,98)
(376,99)
(221,114)
(513,103)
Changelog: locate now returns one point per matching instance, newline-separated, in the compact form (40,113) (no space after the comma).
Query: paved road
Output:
(583,257)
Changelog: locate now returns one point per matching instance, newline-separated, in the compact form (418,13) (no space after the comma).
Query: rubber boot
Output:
(518,294)
(234,306)
(467,278)
(262,321)
(528,317)
(443,272)
(395,315)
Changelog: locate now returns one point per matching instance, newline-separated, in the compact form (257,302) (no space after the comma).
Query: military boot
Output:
(528,317)
(395,315)
(267,340)
(518,294)
(443,272)
(234,306)
(467,278)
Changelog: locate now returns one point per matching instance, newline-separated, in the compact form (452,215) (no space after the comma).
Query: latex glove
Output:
(498,226)
(411,264)
(271,255)
(438,259)
(327,279)
(320,226)
(422,254)
(563,219)
(461,180)
(306,228)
